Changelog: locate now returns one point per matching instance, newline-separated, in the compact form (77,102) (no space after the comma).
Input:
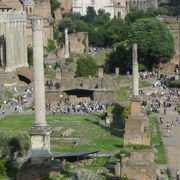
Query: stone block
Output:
(100,73)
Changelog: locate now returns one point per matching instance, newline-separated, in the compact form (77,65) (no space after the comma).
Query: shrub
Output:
(51,46)
(86,66)
(69,60)
(2,167)
(174,84)
(139,146)
(122,151)
(14,146)
(19,144)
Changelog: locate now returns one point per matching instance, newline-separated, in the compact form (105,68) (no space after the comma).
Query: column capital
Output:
(37,23)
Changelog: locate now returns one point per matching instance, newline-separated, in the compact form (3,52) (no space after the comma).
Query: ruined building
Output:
(13,49)
(16,36)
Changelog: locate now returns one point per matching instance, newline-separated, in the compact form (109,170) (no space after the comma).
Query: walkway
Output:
(172,144)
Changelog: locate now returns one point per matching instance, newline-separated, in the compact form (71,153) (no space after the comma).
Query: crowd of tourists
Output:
(147,74)
(17,104)
(81,107)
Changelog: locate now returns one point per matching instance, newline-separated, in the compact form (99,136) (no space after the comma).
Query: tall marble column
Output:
(40,132)
(9,48)
(25,44)
(66,55)
(135,72)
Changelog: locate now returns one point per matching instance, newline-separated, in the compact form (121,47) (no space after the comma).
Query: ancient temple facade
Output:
(13,48)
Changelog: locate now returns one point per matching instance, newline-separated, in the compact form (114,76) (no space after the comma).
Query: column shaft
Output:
(9,47)
(135,72)
(66,44)
(39,90)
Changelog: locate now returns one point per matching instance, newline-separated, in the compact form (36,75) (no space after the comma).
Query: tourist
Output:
(177,174)
(165,111)
(161,120)
(3,111)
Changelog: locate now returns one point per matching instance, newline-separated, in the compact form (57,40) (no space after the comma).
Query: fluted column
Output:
(25,44)
(39,90)
(9,48)
(135,71)
(66,55)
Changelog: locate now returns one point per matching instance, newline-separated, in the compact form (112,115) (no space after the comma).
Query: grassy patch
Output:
(8,94)
(123,79)
(128,80)
(157,139)
(49,74)
(123,94)
(156,135)
(100,57)
(144,84)
(160,156)
(92,135)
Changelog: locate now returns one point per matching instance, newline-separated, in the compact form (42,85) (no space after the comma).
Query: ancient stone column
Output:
(25,44)
(66,55)
(177,74)
(100,73)
(135,72)
(40,132)
(9,48)
(117,71)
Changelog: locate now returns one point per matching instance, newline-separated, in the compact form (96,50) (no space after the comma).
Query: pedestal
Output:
(40,142)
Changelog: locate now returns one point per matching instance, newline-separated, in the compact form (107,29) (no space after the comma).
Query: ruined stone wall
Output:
(142,155)
(47,33)
(104,96)
(43,8)
(66,5)
(146,172)
(15,4)
(78,42)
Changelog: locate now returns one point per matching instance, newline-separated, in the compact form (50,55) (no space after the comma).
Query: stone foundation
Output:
(31,171)
(40,141)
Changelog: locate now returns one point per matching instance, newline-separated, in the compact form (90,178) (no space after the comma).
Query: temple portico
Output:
(13,49)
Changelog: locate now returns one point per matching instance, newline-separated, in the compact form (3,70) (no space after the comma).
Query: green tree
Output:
(51,46)
(80,26)
(2,167)
(54,5)
(155,42)
(74,16)
(86,66)
(102,18)
(133,16)
(30,56)
(90,15)
(120,57)
(67,23)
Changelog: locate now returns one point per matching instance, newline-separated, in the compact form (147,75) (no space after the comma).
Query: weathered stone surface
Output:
(68,132)
(31,171)
(57,128)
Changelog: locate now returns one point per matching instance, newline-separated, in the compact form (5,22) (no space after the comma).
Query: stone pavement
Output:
(172,144)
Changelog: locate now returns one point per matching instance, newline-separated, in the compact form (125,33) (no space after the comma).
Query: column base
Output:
(40,142)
